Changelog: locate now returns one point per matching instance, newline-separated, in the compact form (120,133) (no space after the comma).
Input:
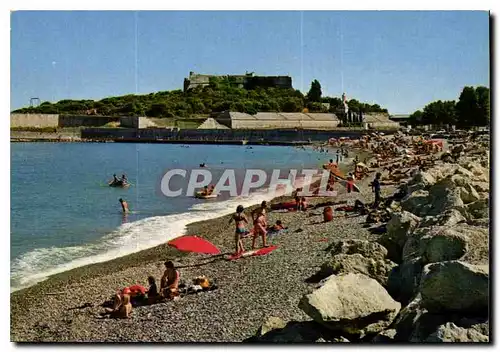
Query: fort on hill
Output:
(247,81)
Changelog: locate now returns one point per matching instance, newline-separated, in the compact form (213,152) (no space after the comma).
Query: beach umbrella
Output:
(193,244)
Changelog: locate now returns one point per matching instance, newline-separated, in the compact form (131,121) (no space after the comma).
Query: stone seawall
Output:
(216,135)
(34,120)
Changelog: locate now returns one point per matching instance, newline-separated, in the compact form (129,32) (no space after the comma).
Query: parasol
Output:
(193,244)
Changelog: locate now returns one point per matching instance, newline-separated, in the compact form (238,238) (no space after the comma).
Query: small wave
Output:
(37,265)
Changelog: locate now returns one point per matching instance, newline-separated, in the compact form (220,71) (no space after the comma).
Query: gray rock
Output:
(270,324)
(352,303)
(478,209)
(481,186)
(405,321)
(449,332)
(377,269)
(414,202)
(366,248)
(468,194)
(455,286)
(449,217)
(444,245)
(385,336)
(399,228)
(403,281)
(445,199)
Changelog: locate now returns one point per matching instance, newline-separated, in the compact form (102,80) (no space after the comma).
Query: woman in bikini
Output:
(260,224)
(240,219)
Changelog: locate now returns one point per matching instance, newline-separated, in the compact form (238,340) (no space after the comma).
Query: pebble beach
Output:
(66,307)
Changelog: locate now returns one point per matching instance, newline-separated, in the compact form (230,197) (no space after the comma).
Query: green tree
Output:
(314,94)
(483,102)
(467,107)
(291,105)
(439,113)
(416,118)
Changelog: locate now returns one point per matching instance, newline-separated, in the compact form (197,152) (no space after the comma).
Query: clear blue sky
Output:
(400,60)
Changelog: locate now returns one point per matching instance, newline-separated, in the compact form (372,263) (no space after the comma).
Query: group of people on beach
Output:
(135,295)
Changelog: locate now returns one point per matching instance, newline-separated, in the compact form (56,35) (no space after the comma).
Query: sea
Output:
(64,215)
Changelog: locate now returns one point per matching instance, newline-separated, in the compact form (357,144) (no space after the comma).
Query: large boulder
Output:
(421,181)
(468,194)
(407,318)
(415,202)
(449,217)
(386,336)
(450,332)
(443,244)
(377,269)
(403,281)
(366,248)
(443,199)
(479,209)
(455,286)
(352,303)
(481,186)
(449,245)
(399,228)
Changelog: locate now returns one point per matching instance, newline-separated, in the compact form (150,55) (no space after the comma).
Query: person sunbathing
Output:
(277,227)
(169,285)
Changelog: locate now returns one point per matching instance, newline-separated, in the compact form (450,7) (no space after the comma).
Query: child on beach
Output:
(260,224)
(122,308)
(153,295)
(240,219)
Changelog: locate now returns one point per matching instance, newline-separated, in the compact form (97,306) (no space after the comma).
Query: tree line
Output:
(219,95)
(471,109)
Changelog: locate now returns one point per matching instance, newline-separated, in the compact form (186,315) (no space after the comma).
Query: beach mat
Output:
(252,253)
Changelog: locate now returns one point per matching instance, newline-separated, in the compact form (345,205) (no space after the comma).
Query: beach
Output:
(249,289)
(66,307)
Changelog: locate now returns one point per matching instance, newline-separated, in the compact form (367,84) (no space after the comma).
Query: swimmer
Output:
(124,206)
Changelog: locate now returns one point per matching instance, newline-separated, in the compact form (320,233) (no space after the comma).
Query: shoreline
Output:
(123,271)
(344,167)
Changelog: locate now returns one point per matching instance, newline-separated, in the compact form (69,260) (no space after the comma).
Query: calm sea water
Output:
(63,214)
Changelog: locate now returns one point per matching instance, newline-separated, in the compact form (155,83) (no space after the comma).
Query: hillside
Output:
(199,101)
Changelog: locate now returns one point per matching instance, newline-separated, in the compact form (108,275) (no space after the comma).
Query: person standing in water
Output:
(115,180)
(124,206)
(240,219)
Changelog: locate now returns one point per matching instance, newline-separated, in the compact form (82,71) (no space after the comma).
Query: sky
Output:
(401,60)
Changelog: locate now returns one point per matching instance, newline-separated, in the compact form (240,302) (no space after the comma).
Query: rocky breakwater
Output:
(439,238)
(424,280)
